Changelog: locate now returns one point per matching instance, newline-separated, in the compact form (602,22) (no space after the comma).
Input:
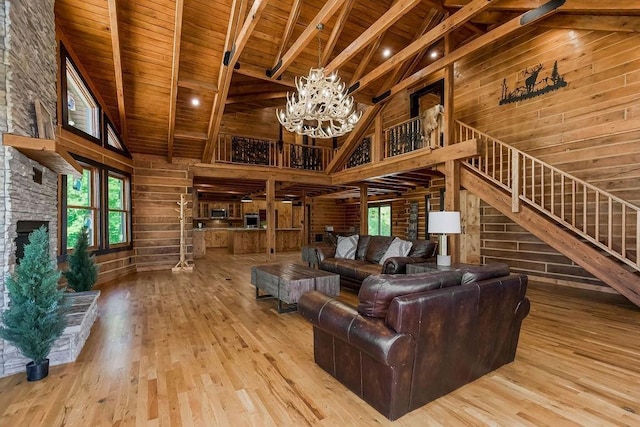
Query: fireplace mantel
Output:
(47,152)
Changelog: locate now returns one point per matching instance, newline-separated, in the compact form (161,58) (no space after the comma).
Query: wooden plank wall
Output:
(588,128)
(327,212)
(157,186)
(504,241)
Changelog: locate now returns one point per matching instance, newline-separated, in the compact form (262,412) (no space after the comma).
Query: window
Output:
(118,209)
(81,206)
(379,220)
(101,201)
(82,111)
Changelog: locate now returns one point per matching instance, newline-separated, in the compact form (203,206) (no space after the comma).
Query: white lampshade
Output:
(444,222)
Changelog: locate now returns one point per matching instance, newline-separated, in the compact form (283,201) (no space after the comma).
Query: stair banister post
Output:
(516,175)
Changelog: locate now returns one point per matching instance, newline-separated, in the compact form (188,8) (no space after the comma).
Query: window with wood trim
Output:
(101,201)
(379,220)
(118,209)
(82,110)
(82,206)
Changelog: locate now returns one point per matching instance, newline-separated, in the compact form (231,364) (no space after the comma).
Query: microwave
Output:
(218,213)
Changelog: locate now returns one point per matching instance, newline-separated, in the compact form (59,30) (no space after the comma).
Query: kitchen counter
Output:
(244,240)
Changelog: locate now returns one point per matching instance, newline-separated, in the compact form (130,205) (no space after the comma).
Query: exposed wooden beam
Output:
(221,170)
(586,6)
(305,38)
(366,59)
(397,11)
(445,27)
(623,24)
(247,29)
(250,97)
(288,29)
(189,135)
(234,49)
(521,21)
(337,29)
(412,161)
(117,65)
(175,66)
(197,85)
(258,73)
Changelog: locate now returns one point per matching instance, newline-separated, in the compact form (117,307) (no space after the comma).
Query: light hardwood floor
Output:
(187,349)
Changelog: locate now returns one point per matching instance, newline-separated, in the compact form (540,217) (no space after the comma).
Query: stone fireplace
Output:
(28,190)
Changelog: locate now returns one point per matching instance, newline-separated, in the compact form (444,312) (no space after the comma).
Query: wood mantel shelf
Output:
(47,152)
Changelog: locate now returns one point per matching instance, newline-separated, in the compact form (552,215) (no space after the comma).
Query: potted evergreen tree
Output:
(35,316)
(83,272)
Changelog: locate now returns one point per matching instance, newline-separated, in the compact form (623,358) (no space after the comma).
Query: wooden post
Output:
(452,167)
(305,224)
(516,174)
(271,217)
(377,144)
(364,210)
(182,265)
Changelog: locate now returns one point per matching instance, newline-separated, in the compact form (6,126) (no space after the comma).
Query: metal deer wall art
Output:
(534,85)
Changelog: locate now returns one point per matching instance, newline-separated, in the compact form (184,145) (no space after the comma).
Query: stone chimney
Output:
(28,71)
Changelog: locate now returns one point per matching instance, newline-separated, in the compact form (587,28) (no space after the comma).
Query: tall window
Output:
(380,220)
(82,206)
(118,208)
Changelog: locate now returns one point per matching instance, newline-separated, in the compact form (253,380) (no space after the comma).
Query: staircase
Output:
(595,229)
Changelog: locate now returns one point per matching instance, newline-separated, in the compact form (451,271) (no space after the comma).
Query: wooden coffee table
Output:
(287,283)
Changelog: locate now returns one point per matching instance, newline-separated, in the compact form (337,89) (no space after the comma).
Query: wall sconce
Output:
(444,223)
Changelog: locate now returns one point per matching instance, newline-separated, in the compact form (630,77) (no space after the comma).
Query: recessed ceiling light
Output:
(195,102)
(434,54)
(386,53)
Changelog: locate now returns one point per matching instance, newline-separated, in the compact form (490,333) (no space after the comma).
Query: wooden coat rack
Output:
(182,265)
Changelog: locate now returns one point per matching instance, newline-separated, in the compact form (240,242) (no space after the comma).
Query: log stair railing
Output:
(551,197)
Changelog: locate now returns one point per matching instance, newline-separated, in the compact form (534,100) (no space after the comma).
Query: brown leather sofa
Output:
(368,254)
(416,337)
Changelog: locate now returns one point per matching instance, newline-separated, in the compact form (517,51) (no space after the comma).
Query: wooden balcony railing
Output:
(607,221)
(268,152)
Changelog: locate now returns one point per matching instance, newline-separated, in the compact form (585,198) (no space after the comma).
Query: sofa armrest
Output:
(368,335)
(324,252)
(398,265)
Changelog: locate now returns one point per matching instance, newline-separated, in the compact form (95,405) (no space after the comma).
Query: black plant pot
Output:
(36,372)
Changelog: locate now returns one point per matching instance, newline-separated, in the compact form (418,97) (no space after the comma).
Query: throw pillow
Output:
(346,247)
(398,247)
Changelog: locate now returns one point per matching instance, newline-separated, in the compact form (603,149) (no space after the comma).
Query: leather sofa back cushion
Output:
(377,247)
(379,290)
(422,248)
(484,272)
(363,243)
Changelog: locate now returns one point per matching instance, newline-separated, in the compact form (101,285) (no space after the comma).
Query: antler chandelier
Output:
(322,108)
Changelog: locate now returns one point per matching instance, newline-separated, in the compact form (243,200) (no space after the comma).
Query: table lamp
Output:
(444,223)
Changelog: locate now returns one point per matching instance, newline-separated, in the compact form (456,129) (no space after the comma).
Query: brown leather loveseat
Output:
(416,337)
(369,252)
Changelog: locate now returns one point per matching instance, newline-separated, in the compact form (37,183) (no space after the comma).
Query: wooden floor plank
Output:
(197,349)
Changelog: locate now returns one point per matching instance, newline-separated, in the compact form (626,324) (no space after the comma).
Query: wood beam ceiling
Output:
(517,23)
(623,24)
(305,38)
(175,66)
(397,11)
(451,23)
(234,48)
(117,65)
